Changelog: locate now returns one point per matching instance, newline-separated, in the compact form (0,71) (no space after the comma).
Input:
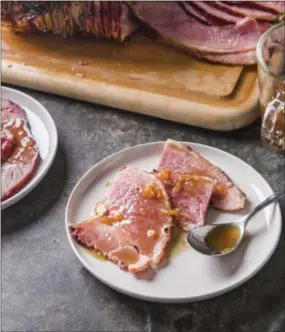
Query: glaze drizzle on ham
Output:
(134,231)
(179,158)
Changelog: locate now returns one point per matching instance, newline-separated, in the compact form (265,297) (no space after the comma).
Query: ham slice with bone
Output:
(136,228)
(179,158)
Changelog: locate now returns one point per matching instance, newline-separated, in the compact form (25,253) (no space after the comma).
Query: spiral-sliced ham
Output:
(190,8)
(245,10)
(178,28)
(239,58)
(277,6)
(210,10)
(127,23)
(179,158)
(136,228)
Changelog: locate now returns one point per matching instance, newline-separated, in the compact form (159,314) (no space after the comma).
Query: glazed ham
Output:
(7,145)
(19,152)
(179,158)
(101,19)
(190,196)
(136,228)
(209,30)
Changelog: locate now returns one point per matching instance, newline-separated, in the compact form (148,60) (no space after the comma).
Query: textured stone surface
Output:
(45,288)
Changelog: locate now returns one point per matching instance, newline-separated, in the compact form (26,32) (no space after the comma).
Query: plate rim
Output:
(49,161)
(170,300)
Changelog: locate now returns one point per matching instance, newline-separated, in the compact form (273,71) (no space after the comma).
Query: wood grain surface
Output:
(141,76)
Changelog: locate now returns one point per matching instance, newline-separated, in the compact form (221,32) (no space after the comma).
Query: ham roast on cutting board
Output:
(196,27)
(141,75)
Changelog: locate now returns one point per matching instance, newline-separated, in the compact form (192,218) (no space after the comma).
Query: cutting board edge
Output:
(138,101)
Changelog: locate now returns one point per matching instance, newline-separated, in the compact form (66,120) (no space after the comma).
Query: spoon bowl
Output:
(212,240)
(197,238)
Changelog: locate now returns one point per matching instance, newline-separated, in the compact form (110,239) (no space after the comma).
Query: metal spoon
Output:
(196,237)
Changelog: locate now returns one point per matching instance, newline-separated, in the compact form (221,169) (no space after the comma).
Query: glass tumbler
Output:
(271,76)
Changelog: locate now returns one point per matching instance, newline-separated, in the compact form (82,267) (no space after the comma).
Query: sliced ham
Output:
(136,228)
(245,10)
(183,31)
(97,19)
(7,145)
(105,18)
(116,12)
(240,58)
(210,10)
(200,15)
(179,158)
(127,23)
(19,149)
(190,196)
(277,6)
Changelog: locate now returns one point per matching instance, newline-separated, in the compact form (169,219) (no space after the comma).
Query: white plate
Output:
(45,134)
(189,276)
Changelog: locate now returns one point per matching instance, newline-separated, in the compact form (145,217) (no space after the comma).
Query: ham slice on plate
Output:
(179,158)
(179,29)
(136,228)
(19,152)
(190,196)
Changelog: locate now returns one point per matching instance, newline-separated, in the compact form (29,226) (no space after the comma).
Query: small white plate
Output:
(189,276)
(45,134)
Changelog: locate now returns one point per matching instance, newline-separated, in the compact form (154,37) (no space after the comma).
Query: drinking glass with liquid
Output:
(271,75)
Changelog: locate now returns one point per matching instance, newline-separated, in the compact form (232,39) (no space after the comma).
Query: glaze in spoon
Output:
(222,239)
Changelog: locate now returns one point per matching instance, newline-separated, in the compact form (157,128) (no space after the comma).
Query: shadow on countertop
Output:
(39,200)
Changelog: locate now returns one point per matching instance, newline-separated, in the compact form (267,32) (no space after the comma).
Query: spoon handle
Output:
(271,199)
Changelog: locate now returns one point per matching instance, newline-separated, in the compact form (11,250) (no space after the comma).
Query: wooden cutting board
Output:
(141,76)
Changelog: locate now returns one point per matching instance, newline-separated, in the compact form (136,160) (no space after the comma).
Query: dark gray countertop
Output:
(45,287)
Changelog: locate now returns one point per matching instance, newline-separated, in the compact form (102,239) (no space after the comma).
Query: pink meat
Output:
(7,145)
(181,159)
(245,10)
(22,160)
(127,24)
(190,197)
(209,9)
(140,238)
(240,58)
(183,31)
(277,6)
(200,15)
